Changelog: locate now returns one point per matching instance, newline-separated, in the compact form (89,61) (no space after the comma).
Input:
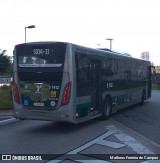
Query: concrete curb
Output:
(8,121)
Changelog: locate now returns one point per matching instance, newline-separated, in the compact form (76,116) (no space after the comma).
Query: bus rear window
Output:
(41,55)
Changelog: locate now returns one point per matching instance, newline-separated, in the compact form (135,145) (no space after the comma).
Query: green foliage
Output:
(156,86)
(5,97)
(6,65)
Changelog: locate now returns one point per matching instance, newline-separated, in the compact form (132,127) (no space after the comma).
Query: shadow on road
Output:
(59,127)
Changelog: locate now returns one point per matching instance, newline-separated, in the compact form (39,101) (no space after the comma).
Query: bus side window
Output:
(108,68)
(82,74)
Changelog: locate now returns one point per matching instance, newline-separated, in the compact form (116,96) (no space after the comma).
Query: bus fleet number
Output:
(54,87)
(109,85)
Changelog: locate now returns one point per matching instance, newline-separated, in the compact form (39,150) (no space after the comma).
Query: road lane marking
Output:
(126,140)
(129,141)
(111,144)
(81,148)
(99,140)
(7,121)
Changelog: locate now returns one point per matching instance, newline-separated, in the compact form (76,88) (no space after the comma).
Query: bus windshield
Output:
(41,55)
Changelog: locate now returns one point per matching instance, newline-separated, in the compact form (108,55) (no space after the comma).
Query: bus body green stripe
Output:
(82,109)
(120,100)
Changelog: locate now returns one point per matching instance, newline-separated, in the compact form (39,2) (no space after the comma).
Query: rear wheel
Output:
(107,109)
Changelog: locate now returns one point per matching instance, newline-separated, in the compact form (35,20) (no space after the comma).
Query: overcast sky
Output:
(133,24)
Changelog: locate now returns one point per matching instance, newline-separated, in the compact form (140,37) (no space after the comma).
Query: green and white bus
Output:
(60,81)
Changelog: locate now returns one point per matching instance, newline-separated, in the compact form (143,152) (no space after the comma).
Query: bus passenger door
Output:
(95,76)
(149,81)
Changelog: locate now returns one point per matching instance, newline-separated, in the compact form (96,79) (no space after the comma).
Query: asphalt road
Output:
(47,137)
(143,119)
(41,137)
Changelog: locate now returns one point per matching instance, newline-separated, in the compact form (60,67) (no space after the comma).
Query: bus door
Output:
(149,72)
(95,79)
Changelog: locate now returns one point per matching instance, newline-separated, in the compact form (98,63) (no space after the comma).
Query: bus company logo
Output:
(38,88)
(6,157)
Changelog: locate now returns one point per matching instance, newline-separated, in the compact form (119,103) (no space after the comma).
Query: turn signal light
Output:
(66,94)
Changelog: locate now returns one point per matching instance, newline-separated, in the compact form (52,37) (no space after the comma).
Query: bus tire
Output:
(107,109)
(142,98)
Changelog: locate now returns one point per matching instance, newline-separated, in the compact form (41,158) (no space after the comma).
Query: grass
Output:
(156,86)
(5,97)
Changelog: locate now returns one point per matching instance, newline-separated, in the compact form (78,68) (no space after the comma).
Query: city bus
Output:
(60,81)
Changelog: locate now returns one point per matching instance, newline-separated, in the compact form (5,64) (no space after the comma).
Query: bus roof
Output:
(109,50)
(89,49)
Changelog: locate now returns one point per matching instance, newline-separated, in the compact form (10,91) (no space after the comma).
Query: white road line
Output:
(83,147)
(111,144)
(136,133)
(126,140)
(11,120)
(129,141)
(91,143)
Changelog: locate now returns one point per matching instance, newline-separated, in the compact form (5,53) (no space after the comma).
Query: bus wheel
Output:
(107,109)
(142,98)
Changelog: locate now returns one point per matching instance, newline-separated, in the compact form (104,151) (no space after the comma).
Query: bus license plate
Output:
(38,104)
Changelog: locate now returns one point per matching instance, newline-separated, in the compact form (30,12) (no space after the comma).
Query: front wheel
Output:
(107,109)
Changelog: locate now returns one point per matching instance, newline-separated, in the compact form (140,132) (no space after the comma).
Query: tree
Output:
(6,65)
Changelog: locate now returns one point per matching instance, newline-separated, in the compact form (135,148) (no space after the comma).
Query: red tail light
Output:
(66,94)
(15,93)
